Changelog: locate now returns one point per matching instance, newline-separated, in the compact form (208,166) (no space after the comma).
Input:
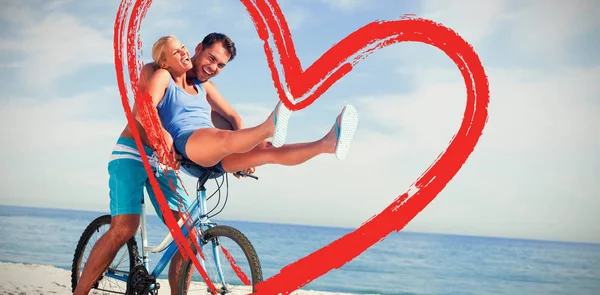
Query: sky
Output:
(534,173)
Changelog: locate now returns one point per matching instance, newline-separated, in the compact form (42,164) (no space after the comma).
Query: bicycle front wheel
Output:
(230,261)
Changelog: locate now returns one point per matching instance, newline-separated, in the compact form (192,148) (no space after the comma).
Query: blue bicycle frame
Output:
(198,214)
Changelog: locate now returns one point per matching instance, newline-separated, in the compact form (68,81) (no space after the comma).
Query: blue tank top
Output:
(180,112)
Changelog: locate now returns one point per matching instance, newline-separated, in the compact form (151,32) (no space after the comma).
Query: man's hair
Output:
(227,43)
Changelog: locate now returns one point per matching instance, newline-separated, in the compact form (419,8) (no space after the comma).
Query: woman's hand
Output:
(167,155)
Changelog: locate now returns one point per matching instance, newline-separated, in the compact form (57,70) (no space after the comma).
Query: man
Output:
(128,176)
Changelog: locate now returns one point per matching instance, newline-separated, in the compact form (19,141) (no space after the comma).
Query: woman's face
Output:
(176,57)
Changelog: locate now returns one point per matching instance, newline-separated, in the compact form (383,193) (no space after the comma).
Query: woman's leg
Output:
(208,146)
(265,153)
(287,155)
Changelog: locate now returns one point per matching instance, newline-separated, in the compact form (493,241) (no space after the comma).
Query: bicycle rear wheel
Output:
(237,258)
(111,280)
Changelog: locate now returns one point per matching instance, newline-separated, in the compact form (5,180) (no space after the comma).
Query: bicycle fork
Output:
(145,258)
(201,192)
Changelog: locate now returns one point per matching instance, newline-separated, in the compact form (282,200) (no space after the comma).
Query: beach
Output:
(30,279)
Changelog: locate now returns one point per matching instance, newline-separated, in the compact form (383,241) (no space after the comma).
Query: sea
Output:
(402,263)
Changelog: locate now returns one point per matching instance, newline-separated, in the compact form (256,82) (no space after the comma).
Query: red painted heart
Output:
(309,85)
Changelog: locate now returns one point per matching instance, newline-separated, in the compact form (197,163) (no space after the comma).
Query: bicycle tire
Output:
(92,228)
(240,239)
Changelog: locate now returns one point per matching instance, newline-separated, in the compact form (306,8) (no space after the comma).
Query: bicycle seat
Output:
(192,169)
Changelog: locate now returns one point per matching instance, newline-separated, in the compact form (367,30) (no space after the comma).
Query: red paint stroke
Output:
(238,271)
(310,84)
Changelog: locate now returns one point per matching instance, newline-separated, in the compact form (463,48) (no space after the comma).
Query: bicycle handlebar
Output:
(240,173)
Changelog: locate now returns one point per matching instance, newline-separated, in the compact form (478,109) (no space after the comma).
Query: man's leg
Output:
(122,227)
(219,121)
(176,263)
(126,185)
(177,200)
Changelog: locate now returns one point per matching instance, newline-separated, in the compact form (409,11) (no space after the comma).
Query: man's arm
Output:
(221,106)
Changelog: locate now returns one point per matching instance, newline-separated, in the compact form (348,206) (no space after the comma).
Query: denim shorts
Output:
(181,141)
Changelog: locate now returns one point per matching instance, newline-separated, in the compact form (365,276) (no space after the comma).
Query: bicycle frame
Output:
(198,214)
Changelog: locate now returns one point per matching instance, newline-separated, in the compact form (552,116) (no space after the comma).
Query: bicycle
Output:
(137,276)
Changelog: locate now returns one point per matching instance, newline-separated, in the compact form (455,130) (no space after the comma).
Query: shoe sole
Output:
(283,115)
(348,126)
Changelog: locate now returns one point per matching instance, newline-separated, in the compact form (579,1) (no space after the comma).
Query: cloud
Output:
(11,65)
(461,15)
(538,146)
(535,160)
(252,114)
(544,29)
(53,4)
(52,45)
(345,5)
(532,174)
(511,33)
(55,153)
(295,17)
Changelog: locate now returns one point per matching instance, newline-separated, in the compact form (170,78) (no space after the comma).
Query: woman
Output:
(184,112)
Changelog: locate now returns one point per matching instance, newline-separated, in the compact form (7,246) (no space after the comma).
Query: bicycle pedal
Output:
(222,290)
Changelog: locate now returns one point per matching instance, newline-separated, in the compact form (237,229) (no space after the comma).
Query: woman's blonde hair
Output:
(158,54)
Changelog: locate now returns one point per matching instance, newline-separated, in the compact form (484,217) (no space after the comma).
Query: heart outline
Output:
(404,208)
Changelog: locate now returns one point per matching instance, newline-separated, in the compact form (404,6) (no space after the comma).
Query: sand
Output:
(26,279)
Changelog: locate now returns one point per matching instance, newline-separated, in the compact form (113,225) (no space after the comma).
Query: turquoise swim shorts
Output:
(127,179)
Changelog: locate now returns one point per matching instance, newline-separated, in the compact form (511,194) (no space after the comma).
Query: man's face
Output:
(210,61)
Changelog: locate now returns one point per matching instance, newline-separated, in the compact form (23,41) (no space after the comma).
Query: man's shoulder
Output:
(209,86)
(151,65)
(161,77)
(149,68)
(209,82)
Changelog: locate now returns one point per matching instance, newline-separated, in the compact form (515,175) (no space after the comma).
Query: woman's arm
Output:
(156,88)
(145,75)
(221,106)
